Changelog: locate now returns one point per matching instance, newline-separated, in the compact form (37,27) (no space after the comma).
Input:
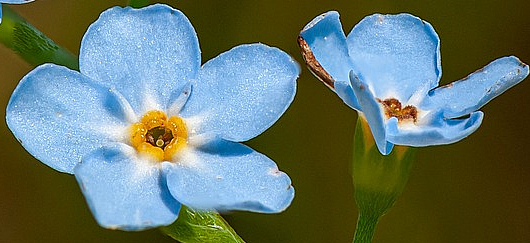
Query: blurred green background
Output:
(472,191)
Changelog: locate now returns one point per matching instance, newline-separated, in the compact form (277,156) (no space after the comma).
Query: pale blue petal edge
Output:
(397,55)
(59,115)
(242,92)
(326,39)
(146,54)
(437,131)
(16,1)
(372,112)
(471,93)
(225,176)
(124,192)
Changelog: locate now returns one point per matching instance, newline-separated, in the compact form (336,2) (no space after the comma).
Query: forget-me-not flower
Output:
(388,69)
(144,128)
(12,2)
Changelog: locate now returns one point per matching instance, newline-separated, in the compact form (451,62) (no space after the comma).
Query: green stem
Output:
(31,44)
(138,3)
(365,230)
(378,180)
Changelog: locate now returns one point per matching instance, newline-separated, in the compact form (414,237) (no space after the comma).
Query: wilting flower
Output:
(388,69)
(12,2)
(144,128)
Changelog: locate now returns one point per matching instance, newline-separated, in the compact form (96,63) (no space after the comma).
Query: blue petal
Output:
(397,55)
(327,43)
(243,91)
(228,176)
(326,39)
(372,113)
(59,115)
(124,192)
(146,54)
(469,94)
(16,1)
(345,92)
(437,131)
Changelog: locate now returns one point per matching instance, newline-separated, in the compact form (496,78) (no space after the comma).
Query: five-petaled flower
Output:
(12,2)
(144,128)
(388,69)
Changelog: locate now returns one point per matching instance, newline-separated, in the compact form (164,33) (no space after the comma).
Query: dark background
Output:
(471,191)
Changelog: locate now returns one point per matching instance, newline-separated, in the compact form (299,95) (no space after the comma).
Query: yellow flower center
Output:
(157,136)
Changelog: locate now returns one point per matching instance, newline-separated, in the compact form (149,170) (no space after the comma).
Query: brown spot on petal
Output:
(361,87)
(313,65)
(380,19)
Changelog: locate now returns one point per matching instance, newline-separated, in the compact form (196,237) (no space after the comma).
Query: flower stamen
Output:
(393,108)
(157,136)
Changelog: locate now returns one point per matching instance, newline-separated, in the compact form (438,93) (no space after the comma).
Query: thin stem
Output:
(31,44)
(138,3)
(365,230)
(378,179)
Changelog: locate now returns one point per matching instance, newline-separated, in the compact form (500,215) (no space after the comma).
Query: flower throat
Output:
(393,108)
(157,136)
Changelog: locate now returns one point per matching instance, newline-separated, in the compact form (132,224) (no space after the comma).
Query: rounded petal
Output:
(397,55)
(124,192)
(372,113)
(146,54)
(243,91)
(59,116)
(326,40)
(228,176)
(437,132)
(471,93)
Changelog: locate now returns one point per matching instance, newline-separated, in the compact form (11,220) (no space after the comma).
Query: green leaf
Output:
(201,227)
(31,44)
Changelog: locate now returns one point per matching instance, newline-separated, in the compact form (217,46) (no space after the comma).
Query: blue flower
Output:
(144,128)
(12,2)
(388,69)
